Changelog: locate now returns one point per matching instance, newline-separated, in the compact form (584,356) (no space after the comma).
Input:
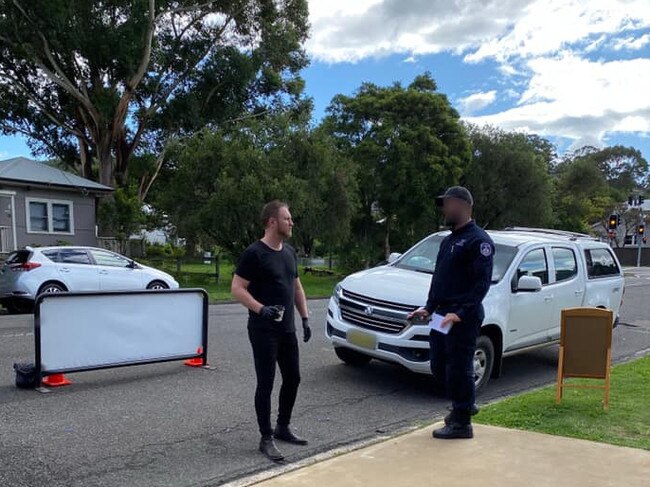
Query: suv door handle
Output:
(64,269)
(548,299)
(103,272)
(578,293)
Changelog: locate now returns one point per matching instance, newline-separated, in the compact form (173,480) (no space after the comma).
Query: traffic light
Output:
(630,200)
(641,199)
(612,224)
(641,229)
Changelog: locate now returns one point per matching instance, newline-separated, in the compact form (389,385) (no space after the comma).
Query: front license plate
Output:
(362,339)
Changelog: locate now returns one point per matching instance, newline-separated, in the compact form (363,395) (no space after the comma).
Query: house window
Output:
(49,216)
(38,217)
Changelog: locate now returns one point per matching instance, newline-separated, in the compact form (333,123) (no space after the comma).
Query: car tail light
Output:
(25,266)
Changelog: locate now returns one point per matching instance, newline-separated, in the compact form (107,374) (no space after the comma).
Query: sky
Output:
(574,71)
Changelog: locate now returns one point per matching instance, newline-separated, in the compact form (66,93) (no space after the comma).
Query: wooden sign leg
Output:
(560,377)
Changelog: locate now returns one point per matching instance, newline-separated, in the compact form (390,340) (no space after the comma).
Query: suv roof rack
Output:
(549,231)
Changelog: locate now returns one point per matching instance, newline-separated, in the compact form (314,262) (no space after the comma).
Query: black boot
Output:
(267,446)
(474,410)
(459,426)
(284,433)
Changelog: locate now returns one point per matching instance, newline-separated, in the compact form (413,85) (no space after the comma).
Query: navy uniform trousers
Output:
(452,362)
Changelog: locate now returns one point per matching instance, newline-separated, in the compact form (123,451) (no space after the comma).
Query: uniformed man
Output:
(266,282)
(462,278)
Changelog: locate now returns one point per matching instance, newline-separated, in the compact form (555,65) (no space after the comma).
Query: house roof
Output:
(23,170)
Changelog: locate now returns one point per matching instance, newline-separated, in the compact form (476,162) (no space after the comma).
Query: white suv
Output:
(32,271)
(537,273)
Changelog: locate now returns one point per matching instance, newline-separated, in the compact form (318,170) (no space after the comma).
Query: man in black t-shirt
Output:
(266,282)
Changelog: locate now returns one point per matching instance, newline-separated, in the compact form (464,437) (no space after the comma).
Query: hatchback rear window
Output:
(19,257)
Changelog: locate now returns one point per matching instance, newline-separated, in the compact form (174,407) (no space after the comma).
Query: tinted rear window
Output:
(19,257)
(601,263)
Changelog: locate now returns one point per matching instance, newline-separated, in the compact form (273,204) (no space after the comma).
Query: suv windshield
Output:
(422,257)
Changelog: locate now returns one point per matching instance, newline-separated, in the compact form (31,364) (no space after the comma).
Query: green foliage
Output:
(216,183)
(509,178)
(166,250)
(408,145)
(591,183)
(123,212)
(95,82)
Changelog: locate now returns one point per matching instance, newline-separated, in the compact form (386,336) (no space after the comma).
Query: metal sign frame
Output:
(40,373)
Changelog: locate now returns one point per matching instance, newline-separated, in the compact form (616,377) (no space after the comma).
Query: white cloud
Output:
(348,31)
(538,45)
(631,43)
(549,26)
(580,99)
(477,101)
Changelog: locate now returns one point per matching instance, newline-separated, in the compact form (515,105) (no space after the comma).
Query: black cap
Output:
(457,192)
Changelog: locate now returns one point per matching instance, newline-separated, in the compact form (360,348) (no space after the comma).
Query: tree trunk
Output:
(387,238)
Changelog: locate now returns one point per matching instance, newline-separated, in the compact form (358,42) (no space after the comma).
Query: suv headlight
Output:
(338,292)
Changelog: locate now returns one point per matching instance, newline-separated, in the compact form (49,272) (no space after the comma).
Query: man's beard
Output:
(451,221)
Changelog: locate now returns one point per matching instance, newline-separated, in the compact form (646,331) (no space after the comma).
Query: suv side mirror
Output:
(393,257)
(529,284)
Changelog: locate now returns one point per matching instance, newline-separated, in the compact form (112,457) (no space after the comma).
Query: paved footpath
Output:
(496,457)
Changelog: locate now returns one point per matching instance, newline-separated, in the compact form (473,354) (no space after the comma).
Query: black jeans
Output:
(452,363)
(271,347)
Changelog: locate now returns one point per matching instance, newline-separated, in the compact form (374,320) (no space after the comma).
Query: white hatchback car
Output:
(30,272)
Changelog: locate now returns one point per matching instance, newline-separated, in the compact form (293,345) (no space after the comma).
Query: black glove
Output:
(269,313)
(306,331)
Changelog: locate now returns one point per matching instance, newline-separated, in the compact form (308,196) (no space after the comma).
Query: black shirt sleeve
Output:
(248,265)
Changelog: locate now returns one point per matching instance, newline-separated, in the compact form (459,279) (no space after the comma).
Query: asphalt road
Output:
(171,425)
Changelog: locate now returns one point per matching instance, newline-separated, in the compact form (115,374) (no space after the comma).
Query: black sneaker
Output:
(284,433)
(472,412)
(268,448)
(454,431)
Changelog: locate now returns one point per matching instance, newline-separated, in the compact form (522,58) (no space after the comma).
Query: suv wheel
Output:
(483,361)
(352,357)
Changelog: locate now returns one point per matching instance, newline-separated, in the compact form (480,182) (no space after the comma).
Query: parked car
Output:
(29,272)
(537,273)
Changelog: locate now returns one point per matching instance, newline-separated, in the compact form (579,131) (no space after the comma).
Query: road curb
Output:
(318,458)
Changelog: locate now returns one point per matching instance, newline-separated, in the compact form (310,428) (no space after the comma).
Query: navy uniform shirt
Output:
(463,273)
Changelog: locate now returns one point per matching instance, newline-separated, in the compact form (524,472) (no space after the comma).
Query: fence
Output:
(628,256)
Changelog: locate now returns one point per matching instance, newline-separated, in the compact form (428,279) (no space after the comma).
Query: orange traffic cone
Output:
(56,380)
(197,361)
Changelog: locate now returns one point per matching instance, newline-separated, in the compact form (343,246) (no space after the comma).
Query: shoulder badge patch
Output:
(486,249)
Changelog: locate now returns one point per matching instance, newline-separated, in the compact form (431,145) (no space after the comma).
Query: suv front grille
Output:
(374,314)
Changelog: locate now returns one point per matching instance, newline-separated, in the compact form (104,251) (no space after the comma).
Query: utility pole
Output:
(640,229)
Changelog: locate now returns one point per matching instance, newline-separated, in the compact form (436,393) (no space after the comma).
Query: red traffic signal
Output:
(642,229)
(612,223)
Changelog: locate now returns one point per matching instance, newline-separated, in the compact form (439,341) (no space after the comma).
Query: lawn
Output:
(581,415)
(201,275)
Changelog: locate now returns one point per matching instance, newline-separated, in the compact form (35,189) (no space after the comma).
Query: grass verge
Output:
(581,415)
(203,276)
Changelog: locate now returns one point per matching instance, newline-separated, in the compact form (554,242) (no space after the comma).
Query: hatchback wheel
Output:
(51,288)
(157,286)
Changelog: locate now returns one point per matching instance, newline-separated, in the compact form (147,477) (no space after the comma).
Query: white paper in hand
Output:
(436,324)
